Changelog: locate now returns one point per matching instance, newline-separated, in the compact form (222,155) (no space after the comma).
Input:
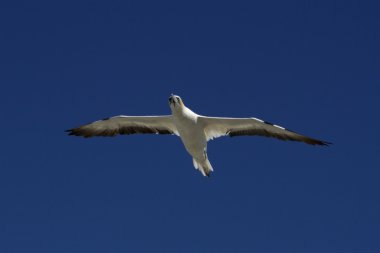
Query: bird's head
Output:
(175,102)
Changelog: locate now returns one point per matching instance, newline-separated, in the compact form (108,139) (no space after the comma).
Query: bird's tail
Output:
(204,167)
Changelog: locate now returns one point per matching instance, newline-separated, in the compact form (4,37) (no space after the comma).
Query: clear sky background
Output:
(311,66)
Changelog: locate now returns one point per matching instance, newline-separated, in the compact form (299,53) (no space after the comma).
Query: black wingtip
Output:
(323,143)
(69,131)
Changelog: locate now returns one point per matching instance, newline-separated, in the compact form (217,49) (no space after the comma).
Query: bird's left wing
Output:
(127,125)
(216,127)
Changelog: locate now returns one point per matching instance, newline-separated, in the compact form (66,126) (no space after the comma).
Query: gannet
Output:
(194,130)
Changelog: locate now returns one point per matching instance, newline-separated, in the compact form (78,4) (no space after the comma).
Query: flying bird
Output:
(193,129)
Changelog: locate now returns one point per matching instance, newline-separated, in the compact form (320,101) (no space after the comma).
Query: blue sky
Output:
(311,66)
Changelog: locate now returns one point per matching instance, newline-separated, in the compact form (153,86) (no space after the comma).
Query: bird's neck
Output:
(182,111)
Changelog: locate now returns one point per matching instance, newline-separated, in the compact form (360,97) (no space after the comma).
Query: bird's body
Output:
(193,129)
(190,132)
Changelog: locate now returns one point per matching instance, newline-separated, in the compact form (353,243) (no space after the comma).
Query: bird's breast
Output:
(191,133)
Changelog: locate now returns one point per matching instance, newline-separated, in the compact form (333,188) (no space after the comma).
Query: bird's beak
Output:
(171,100)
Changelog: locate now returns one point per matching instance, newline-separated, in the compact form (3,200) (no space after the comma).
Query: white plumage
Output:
(193,129)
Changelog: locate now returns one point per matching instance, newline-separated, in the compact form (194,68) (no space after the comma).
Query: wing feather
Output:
(126,125)
(216,127)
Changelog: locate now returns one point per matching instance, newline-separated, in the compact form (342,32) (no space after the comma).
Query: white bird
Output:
(193,129)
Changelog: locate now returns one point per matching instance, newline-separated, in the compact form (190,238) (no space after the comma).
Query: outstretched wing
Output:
(126,125)
(216,127)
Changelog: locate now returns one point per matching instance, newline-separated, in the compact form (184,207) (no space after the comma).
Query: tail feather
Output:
(204,167)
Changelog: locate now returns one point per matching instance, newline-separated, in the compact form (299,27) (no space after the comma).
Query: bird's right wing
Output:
(216,127)
(127,125)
